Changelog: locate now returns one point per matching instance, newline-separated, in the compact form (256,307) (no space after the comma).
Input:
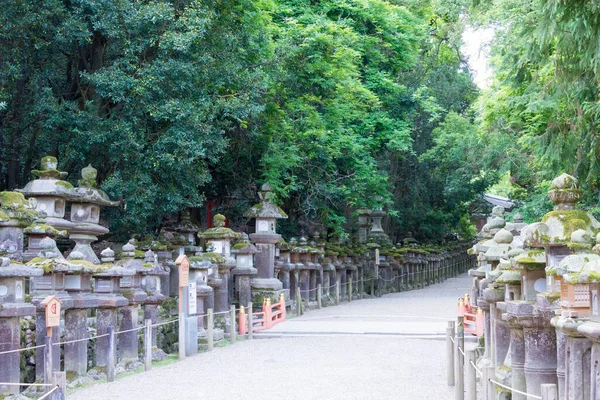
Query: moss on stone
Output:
(65,184)
(214,258)
(239,246)
(571,220)
(551,296)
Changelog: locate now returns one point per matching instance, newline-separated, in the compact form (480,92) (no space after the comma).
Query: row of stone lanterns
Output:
(538,287)
(111,289)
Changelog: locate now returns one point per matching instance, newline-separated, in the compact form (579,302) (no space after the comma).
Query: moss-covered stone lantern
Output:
(266,214)
(85,214)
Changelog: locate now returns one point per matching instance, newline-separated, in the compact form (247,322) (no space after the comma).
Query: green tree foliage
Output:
(337,104)
(545,93)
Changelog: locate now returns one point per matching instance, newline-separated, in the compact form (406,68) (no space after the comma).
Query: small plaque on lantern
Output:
(184,270)
(595,302)
(192,298)
(52,305)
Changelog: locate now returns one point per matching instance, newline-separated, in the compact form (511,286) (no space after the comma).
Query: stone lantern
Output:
(151,283)
(220,238)
(12,307)
(36,232)
(79,287)
(266,214)
(51,193)
(53,282)
(244,251)
(107,288)
(131,288)
(85,214)
(377,234)
(364,223)
(15,214)
(201,266)
(283,267)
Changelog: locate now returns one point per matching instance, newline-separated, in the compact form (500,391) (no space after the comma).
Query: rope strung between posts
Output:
(49,393)
(166,322)
(476,369)
(80,340)
(514,390)
(23,349)
(27,384)
(461,351)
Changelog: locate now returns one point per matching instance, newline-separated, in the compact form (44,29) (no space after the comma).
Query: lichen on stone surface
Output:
(13,205)
(214,258)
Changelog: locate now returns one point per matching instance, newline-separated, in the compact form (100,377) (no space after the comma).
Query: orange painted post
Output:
(461,307)
(282,305)
(242,321)
(250,328)
(479,320)
(268,313)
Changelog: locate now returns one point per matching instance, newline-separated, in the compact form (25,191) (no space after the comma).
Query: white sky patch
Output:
(476,48)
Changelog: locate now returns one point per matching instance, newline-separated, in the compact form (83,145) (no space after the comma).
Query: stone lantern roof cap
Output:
(49,182)
(590,273)
(244,246)
(8,268)
(88,192)
(266,208)
(185,225)
(13,205)
(219,231)
(40,228)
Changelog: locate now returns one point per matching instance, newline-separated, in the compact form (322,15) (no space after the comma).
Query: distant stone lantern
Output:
(244,251)
(85,214)
(107,287)
(220,238)
(51,193)
(12,307)
(15,214)
(266,214)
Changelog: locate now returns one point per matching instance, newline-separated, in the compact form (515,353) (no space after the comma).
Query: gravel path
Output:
(321,355)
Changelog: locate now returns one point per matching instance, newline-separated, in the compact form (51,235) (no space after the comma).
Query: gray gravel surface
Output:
(338,362)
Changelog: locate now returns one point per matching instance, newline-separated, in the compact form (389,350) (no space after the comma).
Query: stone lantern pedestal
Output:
(151,283)
(131,288)
(12,307)
(199,273)
(53,282)
(107,287)
(220,238)
(79,286)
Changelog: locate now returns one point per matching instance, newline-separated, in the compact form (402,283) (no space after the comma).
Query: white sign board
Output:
(192,298)
(595,302)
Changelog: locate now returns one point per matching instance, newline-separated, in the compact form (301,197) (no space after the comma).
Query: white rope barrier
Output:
(49,393)
(514,390)
(476,369)
(80,340)
(166,322)
(23,349)
(26,384)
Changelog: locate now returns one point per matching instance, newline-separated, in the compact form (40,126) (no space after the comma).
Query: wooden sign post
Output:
(184,274)
(52,305)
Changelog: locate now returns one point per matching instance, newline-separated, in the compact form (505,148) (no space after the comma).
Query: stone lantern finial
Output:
(565,192)
(128,249)
(49,169)
(88,177)
(219,221)
(107,255)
